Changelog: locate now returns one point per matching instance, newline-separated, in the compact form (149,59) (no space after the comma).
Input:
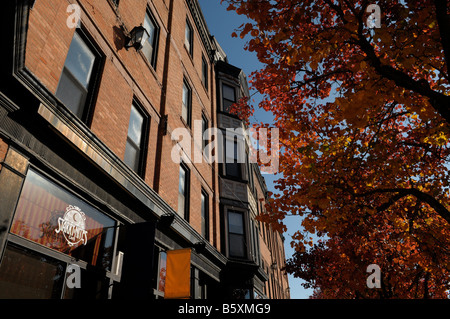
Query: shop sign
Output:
(73,226)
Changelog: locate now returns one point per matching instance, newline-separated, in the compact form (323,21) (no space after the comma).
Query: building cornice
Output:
(202,27)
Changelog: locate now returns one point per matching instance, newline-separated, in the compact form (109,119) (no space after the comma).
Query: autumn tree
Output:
(364,119)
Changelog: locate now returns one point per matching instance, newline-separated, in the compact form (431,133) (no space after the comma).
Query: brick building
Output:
(103,169)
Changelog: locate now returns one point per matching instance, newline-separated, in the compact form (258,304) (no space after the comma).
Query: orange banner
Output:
(178,274)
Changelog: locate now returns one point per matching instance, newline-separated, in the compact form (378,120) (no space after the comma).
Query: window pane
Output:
(182,192)
(184,112)
(233,169)
(150,27)
(74,81)
(162,271)
(204,72)
(29,275)
(185,94)
(80,60)
(237,245)
(188,37)
(235,222)
(55,218)
(231,149)
(204,212)
(181,205)
(182,181)
(71,93)
(232,165)
(149,44)
(147,49)
(135,126)
(205,137)
(227,105)
(132,156)
(228,93)
(185,103)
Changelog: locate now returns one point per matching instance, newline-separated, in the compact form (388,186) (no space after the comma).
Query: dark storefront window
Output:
(162,271)
(51,216)
(159,273)
(25,274)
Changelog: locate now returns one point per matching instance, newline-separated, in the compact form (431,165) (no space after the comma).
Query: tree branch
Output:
(439,101)
(421,196)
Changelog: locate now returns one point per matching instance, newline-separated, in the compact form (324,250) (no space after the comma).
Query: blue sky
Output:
(221,24)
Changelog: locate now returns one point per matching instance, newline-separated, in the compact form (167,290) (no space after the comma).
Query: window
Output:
(249,173)
(183,192)
(135,150)
(76,84)
(236,234)
(161,257)
(205,125)
(205,215)
(228,97)
(255,242)
(186,103)
(188,38)
(205,72)
(53,217)
(151,45)
(233,166)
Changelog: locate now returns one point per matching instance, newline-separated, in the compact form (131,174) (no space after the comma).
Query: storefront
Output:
(62,242)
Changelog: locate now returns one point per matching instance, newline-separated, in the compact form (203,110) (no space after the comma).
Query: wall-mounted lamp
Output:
(137,38)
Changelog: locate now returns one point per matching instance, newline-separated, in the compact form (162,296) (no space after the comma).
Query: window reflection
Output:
(28,275)
(133,149)
(73,85)
(43,209)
